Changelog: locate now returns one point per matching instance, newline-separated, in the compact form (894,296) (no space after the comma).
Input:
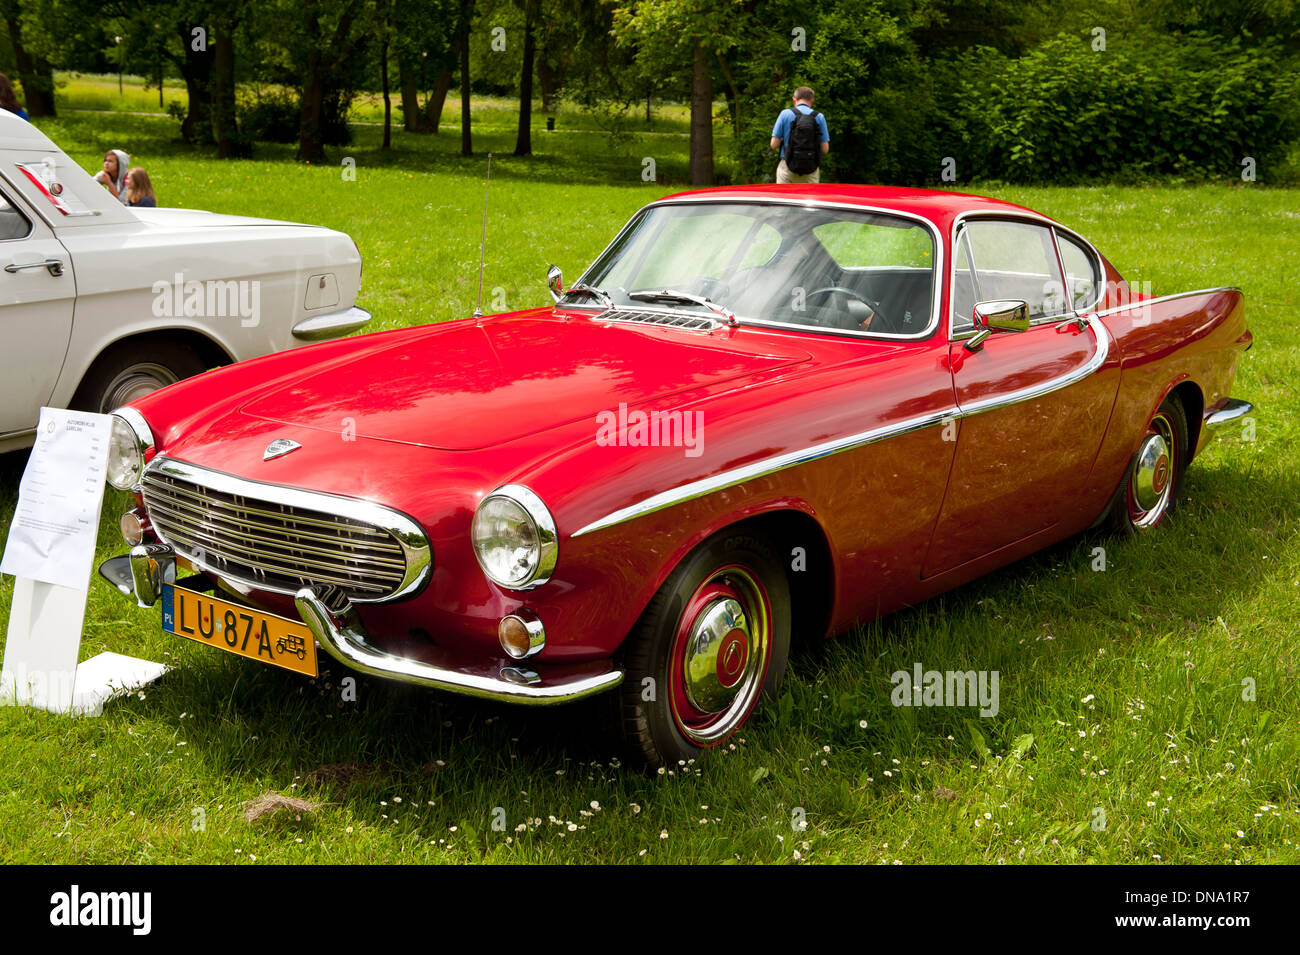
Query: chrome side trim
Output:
(342,635)
(688,492)
(1143,303)
(320,327)
(694,489)
(937,272)
(1233,410)
(21,433)
(405,530)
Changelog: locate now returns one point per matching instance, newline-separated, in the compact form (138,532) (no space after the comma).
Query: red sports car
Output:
(764,413)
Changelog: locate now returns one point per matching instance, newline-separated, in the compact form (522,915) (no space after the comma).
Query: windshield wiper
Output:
(592,291)
(685,298)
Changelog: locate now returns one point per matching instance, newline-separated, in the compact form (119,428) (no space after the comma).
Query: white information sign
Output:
(52,537)
(50,549)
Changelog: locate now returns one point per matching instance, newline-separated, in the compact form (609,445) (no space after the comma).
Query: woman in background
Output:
(113,175)
(139,190)
(9,99)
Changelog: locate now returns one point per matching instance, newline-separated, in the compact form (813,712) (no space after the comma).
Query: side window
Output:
(1012,260)
(1082,274)
(13,224)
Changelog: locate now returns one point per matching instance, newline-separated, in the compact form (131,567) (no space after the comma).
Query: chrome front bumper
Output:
(341,634)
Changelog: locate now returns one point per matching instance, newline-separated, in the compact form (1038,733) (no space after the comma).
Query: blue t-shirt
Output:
(782,127)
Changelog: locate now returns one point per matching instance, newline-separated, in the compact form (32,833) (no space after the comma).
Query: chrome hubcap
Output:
(716,654)
(136,382)
(1151,483)
(720,655)
(1152,472)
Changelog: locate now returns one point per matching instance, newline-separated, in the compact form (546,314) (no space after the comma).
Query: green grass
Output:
(80,92)
(1129,681)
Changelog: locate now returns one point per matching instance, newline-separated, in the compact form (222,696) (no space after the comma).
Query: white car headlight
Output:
(128,442)
(514,538)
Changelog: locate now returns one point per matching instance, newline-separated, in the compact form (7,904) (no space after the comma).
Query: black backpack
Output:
(802,145)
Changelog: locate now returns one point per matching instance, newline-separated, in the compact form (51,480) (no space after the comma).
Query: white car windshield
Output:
(768,263)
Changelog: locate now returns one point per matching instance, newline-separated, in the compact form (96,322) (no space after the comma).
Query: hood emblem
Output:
(278,447)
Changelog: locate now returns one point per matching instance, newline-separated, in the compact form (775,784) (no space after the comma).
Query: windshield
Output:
(773,264)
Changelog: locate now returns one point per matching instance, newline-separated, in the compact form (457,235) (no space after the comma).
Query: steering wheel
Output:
(875,309)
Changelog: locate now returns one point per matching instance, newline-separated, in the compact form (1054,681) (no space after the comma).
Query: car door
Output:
(1033,410)
(37,292)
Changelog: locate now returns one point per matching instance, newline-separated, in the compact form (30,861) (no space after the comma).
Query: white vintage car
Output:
(101,304)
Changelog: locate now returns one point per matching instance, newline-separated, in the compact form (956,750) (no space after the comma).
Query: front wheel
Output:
(130,370)
(712,642)
(1154,480)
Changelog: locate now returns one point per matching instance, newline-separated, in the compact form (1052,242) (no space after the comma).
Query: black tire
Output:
(130,370)
(1134,510)
(667,717)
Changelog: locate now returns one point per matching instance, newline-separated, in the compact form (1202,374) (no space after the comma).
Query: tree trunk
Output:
(224,125)
(311,145)
(524,137)
(388,103)
(410,95)
(701,119)
(437,100)
(34,73)
(196,69)
(466,136)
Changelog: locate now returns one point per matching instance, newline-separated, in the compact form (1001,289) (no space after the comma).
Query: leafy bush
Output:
(276,118)
(1184,106)
(1194,107)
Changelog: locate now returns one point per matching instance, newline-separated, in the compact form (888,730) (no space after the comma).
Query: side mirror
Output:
(1001,316)
(555,282)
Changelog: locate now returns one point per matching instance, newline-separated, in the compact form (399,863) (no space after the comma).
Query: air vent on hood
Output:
(672,319)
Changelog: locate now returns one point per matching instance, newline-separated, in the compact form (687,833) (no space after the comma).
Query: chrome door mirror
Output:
(1010,315)
(555,282)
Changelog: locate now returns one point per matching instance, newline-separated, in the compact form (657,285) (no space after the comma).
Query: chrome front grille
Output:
(279,538)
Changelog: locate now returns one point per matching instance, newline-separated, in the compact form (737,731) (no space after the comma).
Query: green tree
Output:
(676,36)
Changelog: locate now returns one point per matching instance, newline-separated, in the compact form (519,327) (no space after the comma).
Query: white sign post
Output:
(50,551)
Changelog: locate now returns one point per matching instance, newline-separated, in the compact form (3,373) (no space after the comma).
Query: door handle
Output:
(54,265)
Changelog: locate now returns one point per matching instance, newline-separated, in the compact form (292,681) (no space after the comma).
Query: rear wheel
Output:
(1154,480)
(713,642)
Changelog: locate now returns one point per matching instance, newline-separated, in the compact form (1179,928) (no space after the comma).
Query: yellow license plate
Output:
(235,629)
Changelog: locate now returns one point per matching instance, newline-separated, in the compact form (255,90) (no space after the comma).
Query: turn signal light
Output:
(521,634)
(135,526)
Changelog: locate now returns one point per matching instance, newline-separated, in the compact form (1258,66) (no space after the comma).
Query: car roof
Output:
(940,206)
(16,131)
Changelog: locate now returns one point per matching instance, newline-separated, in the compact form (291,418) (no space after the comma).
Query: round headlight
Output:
(127,444)
(514,538)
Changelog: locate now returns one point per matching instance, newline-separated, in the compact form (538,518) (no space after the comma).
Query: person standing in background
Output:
(802,137)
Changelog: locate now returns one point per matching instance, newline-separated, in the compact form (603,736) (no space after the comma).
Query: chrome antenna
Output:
(482,245)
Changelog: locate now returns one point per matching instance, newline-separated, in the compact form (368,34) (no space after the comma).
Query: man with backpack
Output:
(801,135)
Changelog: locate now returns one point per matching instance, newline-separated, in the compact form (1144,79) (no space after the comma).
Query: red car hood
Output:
(468,385)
